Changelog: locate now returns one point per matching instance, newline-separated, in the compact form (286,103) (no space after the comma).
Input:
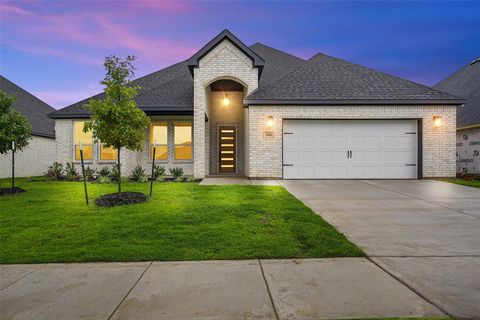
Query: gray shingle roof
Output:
(465,83)
(34,109)
(284,79)
(169,90)
(328,80)
(277,63)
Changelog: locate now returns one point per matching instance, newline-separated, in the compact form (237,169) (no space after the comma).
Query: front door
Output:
(227,148)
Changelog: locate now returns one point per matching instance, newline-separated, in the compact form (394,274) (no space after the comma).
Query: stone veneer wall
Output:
(225,61)
(129,159)
(32,161)
(265,156)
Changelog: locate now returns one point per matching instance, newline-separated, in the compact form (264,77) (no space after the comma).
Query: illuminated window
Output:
(183,140)
(108,153)
(159,135)
(84,139)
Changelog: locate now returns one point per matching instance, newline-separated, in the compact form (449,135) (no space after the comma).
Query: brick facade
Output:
(129,159)
(225,61)
(32,161)
(265,159)
(261,156)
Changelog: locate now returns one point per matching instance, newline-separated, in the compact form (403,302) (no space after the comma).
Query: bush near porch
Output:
(182,221)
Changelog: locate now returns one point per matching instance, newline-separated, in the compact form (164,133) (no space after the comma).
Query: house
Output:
(466,83)
(41,151)
(259,112)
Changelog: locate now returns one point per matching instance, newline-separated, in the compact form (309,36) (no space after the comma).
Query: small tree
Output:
(15,130)
(116,121)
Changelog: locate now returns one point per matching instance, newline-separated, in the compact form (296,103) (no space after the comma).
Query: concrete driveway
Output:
(424,233)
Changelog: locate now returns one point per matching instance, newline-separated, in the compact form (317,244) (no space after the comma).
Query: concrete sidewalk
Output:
(248,289)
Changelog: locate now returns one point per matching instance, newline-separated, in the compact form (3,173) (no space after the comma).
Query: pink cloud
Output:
(51,51)
(60,99)
(164,6)
(93,30)
(7,10)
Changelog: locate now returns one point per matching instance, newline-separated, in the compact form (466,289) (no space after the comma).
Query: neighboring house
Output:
(40,152)
(466,83)
(262,113)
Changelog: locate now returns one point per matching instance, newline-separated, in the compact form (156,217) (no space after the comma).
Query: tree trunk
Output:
(13,170)
(119,178)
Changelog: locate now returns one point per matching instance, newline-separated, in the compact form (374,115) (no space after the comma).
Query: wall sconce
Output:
(226,101)
(437,121)
(270,121)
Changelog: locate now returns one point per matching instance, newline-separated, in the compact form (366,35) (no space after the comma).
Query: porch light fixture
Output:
(437,121)
(270,121)
(226,101)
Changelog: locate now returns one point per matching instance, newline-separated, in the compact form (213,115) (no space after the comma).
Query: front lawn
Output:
(463,182)
(183,221)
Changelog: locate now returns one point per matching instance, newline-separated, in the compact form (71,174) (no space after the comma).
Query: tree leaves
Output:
(14,127)
(116,121)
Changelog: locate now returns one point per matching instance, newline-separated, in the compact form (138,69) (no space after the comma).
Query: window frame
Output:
(100,154)
(74,149)
(151,143)
(190,122)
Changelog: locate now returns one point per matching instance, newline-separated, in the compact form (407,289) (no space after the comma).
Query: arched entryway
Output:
(226,127)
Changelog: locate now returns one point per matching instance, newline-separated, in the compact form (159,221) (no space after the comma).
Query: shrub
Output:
(114,174)
(177,173)
(71,171)
(158,173)
(190,179)
(138,174)
(104,179)
(55,171)
(89,172)
(104,172)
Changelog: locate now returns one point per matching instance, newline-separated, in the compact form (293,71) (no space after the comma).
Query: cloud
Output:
(81,35)
(52,51)
(59,99)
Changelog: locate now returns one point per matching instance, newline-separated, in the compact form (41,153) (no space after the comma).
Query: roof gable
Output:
(34,109)
(257,61)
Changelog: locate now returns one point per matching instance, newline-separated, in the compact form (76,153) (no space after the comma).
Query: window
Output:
(84,139)
(159,135)
(107,153)
(183,140)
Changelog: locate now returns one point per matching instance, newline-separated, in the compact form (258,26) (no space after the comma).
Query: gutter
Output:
(346,102)
(473,126)
(149,111)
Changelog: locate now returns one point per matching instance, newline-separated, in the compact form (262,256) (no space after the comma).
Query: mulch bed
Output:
(8,191)
(112,199)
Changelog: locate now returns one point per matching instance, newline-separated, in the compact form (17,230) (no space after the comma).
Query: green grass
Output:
(183,221)
(463,182)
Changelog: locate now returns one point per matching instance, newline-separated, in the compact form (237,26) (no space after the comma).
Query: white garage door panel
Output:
(380,149)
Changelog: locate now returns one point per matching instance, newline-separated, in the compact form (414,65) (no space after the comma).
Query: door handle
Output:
(350,154)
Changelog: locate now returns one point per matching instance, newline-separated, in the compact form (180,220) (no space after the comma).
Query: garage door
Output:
(350,149)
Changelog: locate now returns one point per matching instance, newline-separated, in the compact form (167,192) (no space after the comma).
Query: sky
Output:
(55,49)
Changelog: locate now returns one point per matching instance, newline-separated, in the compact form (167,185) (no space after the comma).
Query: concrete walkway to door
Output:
(424,233)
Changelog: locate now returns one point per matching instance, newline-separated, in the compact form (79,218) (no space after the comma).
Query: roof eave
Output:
(43,135)
(314,102)
(472,126)
(148,110)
